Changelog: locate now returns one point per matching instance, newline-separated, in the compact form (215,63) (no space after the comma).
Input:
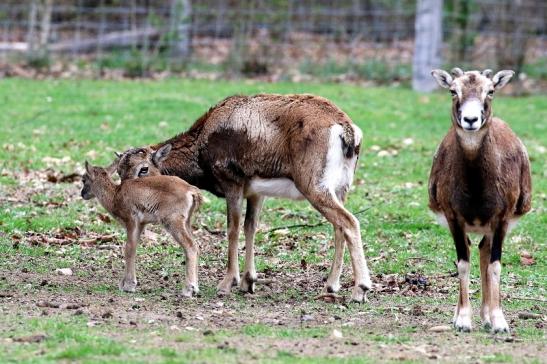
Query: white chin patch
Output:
(471,109)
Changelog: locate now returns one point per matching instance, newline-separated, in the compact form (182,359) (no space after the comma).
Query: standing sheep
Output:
(479,183)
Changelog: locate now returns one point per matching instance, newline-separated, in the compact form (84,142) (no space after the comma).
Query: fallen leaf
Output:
(441,328)
(31,339)
(526,258)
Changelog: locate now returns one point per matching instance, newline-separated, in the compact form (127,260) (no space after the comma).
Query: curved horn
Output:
(487,73)
(456,72)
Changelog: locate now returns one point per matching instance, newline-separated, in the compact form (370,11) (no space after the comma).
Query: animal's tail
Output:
(351,140)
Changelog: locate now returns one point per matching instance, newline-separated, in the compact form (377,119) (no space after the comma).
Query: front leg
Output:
(462,314)
(485,247)
(254,205)
(499,324)
(129,281)
(233,204)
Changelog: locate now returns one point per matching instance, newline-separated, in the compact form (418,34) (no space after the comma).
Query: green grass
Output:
(59,124)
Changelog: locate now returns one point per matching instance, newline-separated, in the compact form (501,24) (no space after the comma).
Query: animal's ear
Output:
(442,77)
(118,155)
(456,72)
(89,169)
(487,73)
(501,78)
(112,167)
(160,154)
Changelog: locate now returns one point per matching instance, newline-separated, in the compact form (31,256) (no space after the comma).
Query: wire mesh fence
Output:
(361,39)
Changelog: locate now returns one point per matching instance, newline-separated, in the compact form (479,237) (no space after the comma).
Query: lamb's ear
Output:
(118,155)
(111,169)
(501,78)
(443,78)
(89,169)
(160,154)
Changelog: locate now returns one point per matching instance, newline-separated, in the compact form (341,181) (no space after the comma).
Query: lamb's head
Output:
(95,177)
(142,162)
(472,94)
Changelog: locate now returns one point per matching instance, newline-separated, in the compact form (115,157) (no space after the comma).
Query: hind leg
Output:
(333,281)
(254,205)
(348,226)
(178,229)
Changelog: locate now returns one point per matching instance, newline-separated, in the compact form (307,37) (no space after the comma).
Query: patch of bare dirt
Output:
(286,298)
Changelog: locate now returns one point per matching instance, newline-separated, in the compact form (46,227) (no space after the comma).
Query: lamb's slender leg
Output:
(462,314)
(330,207)
(178,229)
(254,205)
(129,281)
(499,324)
(233,203)
(485,248)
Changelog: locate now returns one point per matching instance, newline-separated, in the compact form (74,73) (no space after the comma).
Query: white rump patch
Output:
(273,187)
(441,219)
(512,224)
(338,173)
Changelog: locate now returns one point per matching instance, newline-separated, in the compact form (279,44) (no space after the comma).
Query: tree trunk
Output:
(428,43)
(181,21)
(45,24)
(31,37)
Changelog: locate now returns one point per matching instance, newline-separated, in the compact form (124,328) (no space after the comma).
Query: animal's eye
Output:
(453,93)
(491,93)
(143,171)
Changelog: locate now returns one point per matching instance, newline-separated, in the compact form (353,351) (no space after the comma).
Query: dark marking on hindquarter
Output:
(348,141)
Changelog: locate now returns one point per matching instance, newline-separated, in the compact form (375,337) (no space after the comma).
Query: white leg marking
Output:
(499,324)
(462,316)
(441,219)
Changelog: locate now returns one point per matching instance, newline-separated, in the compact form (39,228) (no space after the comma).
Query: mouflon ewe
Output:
(479,183)
(250,147)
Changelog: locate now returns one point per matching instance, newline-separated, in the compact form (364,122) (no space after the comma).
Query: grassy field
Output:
(48,129)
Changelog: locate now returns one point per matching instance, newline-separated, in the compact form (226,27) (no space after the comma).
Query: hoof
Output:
(248,283)
(485,318)
(225,287)
(462,323)
(128,285)
(190,291)
(499,325)
(331,287)
(359,293)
